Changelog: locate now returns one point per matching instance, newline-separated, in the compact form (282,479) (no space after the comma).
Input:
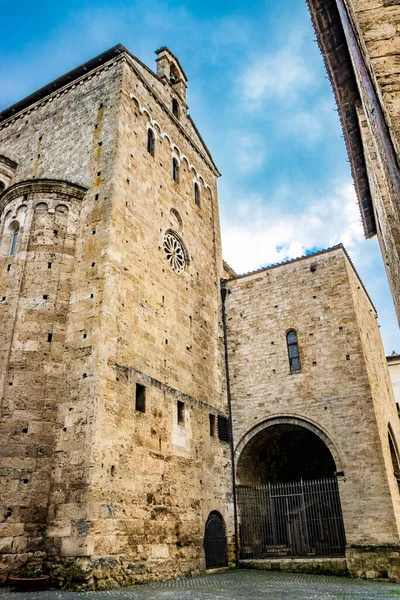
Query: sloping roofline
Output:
(82,70)
(305,257)
(334,49)
(62,81)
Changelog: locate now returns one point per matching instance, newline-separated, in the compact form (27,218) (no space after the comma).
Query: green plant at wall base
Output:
(74,576)
(28,574)
(70,577)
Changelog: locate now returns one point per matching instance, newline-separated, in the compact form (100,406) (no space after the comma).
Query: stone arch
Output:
(41,206)
(62,208)
(252,443)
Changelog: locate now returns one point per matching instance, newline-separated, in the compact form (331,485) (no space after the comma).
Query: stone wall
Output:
(48,398)
(108,436)
(339,393)
(376,24)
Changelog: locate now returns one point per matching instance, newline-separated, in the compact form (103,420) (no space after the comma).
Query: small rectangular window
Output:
(180,412)
(212,425)
(223,429)
(140,402)
(293,351)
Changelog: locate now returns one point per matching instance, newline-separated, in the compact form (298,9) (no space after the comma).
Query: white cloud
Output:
(249,151)
(279,75)
(313,124)
(258,235)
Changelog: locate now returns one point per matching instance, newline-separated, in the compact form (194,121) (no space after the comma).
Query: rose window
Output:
(174,252)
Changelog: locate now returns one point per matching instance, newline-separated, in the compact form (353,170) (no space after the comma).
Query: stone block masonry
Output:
(114,453)
(339,391)
(110,358)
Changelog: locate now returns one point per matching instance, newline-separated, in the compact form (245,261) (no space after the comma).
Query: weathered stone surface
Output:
(341,392)
(111,345)
(92,310)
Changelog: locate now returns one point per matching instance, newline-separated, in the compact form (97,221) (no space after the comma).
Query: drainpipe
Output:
(224,292)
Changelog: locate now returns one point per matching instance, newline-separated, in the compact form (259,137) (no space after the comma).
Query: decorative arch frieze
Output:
(63,189)
(175,150)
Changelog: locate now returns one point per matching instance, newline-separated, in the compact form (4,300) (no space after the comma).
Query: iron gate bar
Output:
(291,519)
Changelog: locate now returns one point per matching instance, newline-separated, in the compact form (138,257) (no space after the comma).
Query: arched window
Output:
(395,459)
(15,233)
(175,170)
(293,351)
(150,142)
(175,108)
(196,193)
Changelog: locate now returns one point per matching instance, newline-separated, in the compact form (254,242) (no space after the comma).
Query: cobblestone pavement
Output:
(235,585)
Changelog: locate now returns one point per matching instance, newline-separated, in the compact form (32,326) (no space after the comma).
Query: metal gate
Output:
(215,542)
(291,519)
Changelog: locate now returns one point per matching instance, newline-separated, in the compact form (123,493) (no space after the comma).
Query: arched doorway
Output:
(288,496)
(215,541)
(282,452)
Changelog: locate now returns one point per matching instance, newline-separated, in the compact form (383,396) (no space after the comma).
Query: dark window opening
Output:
(180,412)
(293,351)
(49,265)
(140,402)
(212,425)
(175,170)
(49,337)
(197,194)
(223,429)
(14,240)
(150,142)
(8,267)
(175,108)
(2,186)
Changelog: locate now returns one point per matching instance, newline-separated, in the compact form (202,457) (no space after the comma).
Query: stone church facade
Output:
(116,438)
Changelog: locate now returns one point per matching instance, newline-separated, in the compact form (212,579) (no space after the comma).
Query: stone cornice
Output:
(42,186)
(42,101)
(8,162)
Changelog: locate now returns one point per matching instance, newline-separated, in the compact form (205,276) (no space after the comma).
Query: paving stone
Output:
(234,585)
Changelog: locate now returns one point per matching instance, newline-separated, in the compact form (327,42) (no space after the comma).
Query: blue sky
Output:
(260,96)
